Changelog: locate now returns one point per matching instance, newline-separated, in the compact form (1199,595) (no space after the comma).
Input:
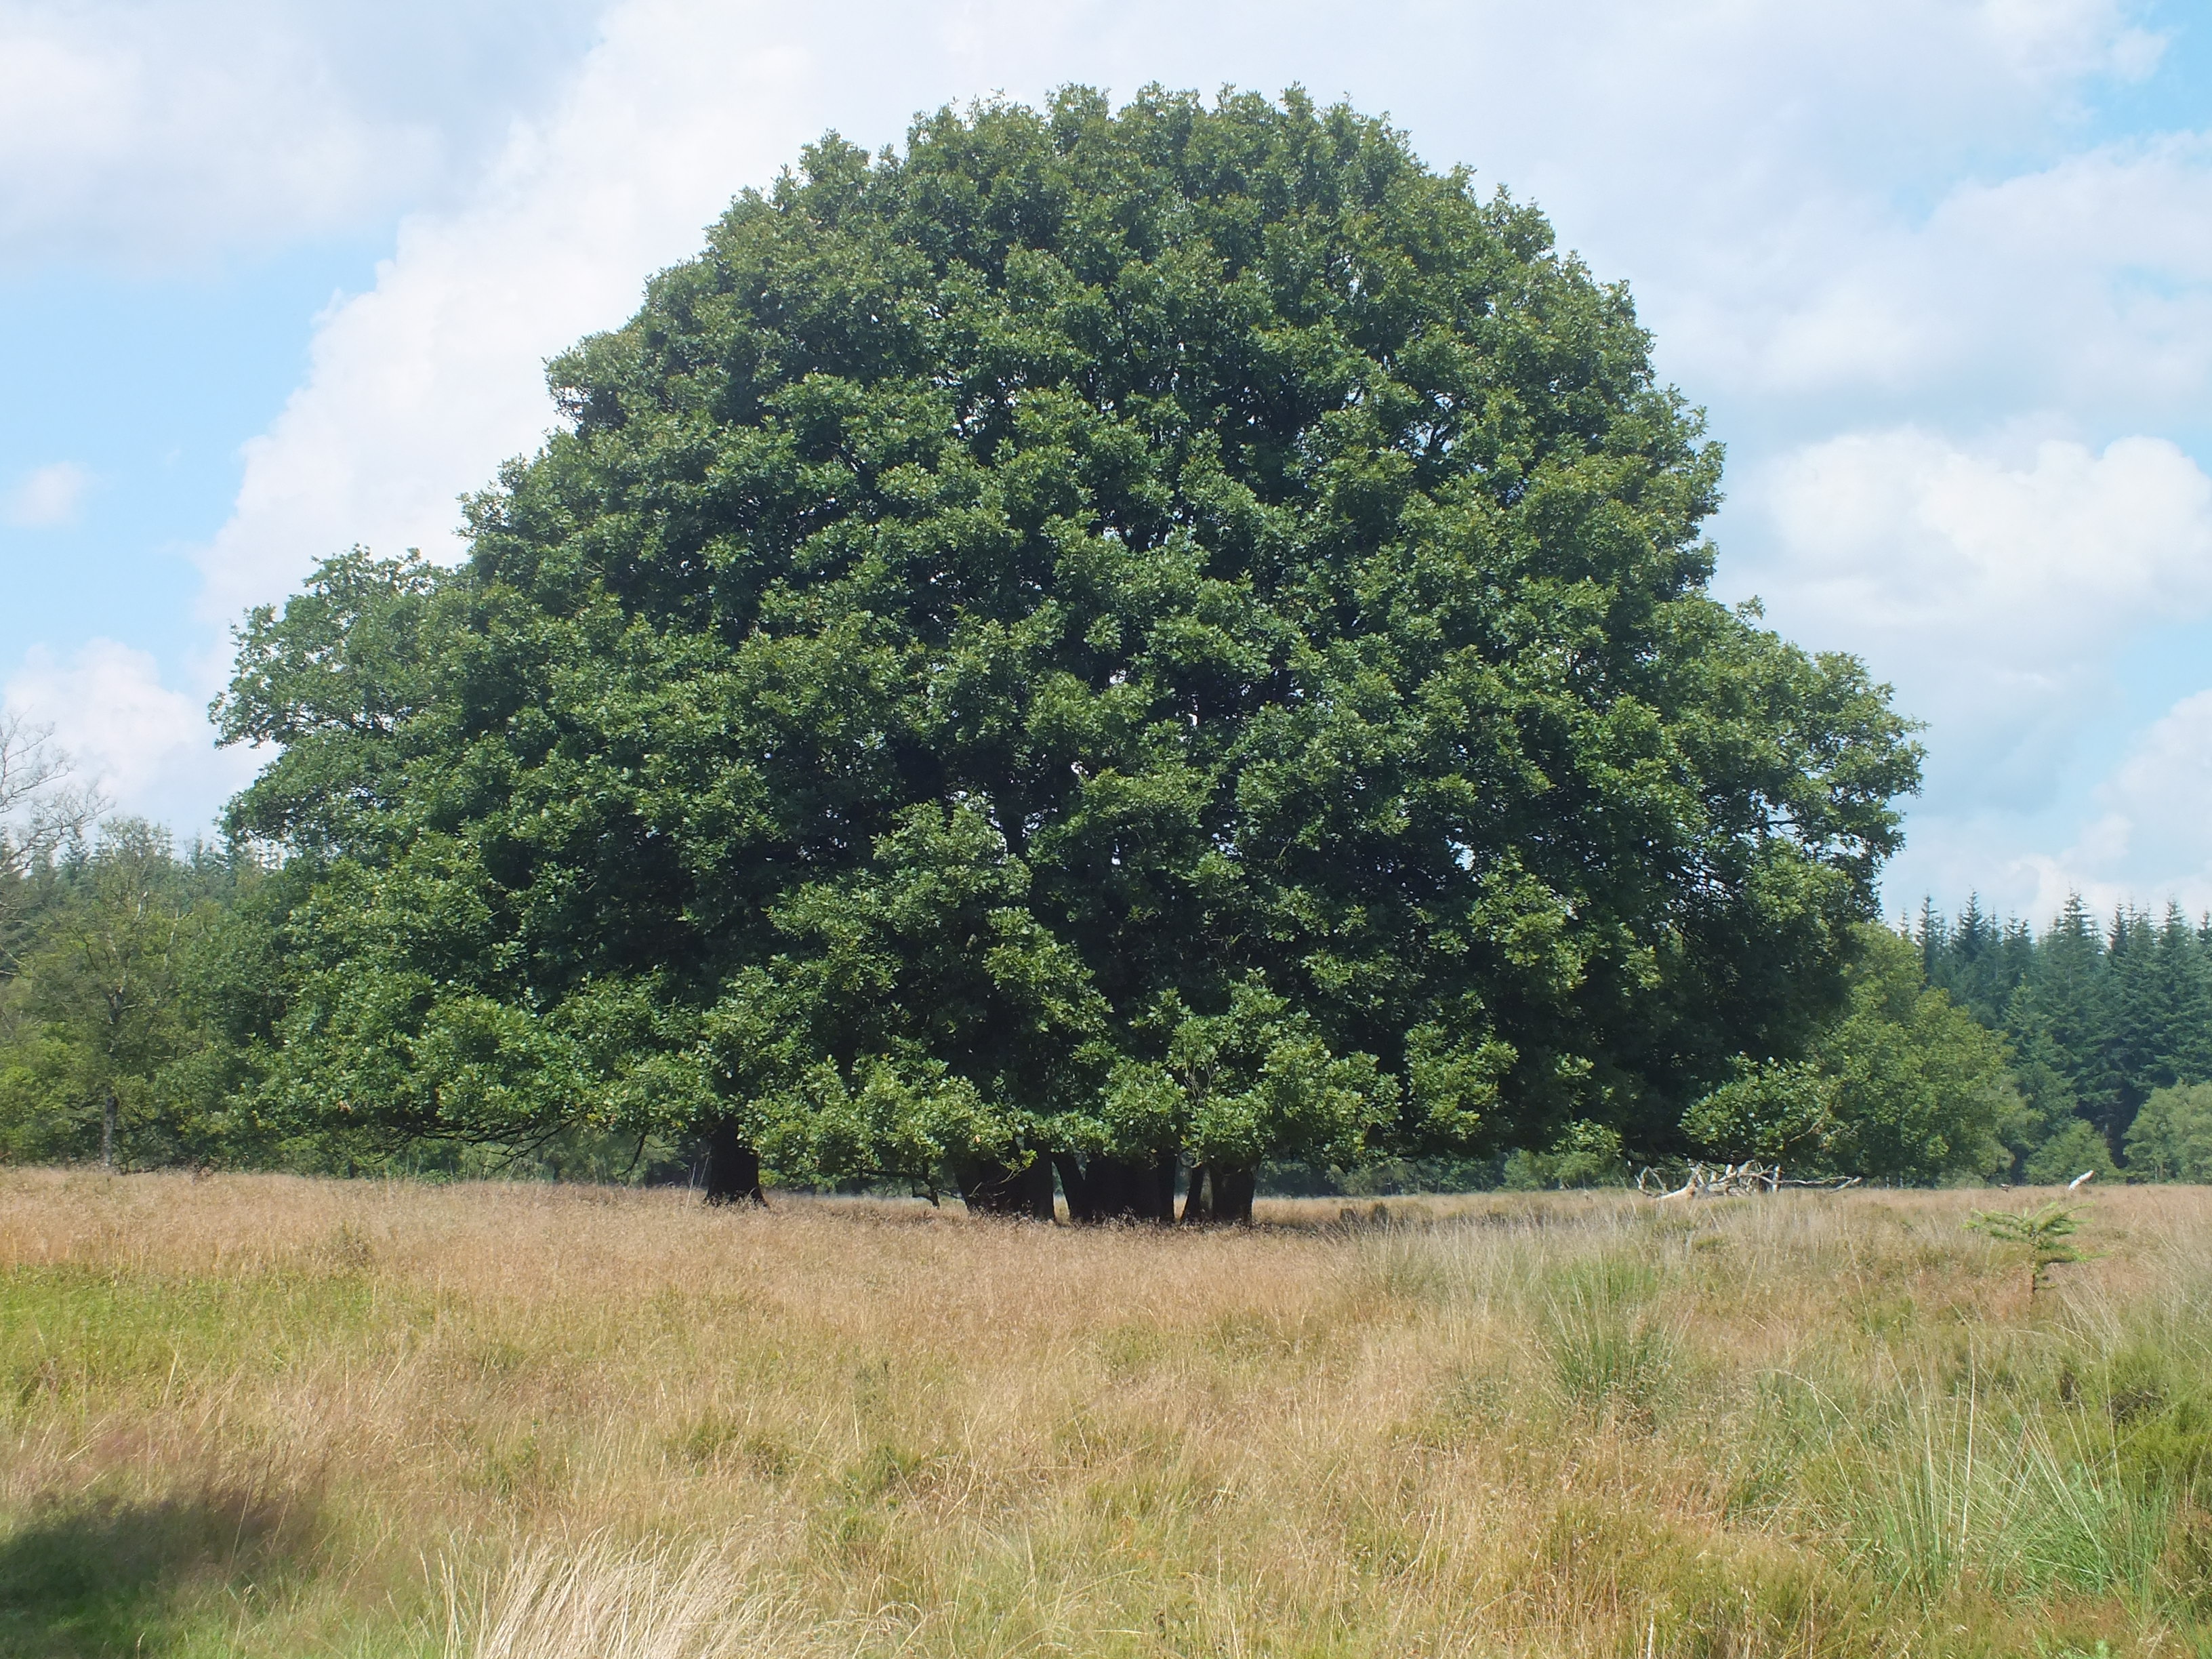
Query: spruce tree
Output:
(2059,1011)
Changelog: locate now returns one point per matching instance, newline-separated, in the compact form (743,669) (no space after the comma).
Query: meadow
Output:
(260,1415)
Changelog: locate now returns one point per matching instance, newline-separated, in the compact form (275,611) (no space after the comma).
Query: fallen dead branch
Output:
(1733,1181)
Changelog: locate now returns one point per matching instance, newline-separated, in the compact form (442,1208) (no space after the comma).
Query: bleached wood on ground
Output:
(1734,1179)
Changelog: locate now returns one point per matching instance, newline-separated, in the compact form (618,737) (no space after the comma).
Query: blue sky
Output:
(279,278)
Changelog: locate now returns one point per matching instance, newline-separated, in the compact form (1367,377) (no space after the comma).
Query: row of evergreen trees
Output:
(2099,1016)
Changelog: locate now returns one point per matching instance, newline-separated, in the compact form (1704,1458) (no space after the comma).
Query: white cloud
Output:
(148,747)
(2151,837)
(2054,38)
(2086,285)
(149,130)
(122,130)
(420,387)
(1995,589)
(48,496)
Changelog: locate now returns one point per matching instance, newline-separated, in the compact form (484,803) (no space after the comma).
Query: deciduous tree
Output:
(1106,640)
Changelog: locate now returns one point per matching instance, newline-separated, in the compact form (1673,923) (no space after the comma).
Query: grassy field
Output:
(266,1416)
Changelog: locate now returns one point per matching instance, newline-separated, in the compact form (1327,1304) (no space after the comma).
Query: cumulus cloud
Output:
(2085,285)
(421,387)
(146,130)
(2147,840)
(48,496)
(1993,588)
(145,746)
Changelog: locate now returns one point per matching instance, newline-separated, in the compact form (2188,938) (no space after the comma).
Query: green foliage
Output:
(1586,1154)
(1778,1111)
(1112,634)
(2099,1019)
(330,680)
(1920,1087)
(2171,1139)
(2069,1151)
(1525,1171)
(101,1046)
(1381,1178)
(1903,1085)
(2044,1235)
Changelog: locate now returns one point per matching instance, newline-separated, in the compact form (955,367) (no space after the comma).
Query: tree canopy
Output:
(104,1047)
(2171,1139)
(2101,1021)
(1108,638)
(1903,1085)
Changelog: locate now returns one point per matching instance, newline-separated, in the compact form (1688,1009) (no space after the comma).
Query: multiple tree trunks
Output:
(1221,1194)
(732,1167)
(1118,1189)
(1099,1189)
(1001,1190)
(1103,1190)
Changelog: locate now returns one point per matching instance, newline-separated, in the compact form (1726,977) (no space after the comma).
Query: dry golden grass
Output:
(261,1415)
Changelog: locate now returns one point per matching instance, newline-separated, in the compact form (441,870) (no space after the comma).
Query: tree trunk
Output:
(1164,1169)
(995,1189)
(1117,1193)
(1227,1198)
(1121,1189)
(1198,1200)
(109,1111)
(732,1167)
(1076,1183)
(1232,1194)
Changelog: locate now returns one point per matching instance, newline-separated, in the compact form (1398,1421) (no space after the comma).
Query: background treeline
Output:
(141,983)
(126,1014)
(2108,1023)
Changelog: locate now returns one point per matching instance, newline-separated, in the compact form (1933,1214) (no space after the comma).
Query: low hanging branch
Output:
(1732,1180)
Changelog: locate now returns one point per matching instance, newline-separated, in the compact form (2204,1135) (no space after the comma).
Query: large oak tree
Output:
(1110,641)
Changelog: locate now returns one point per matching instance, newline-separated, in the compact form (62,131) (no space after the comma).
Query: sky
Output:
(277,279)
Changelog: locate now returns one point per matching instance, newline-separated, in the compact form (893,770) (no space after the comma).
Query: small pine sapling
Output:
(2044,1233)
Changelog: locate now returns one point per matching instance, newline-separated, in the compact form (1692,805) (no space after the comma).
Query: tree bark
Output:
(732,1167)
(1227,1198)
(1076,1183)
(1232,1194)
(1164,1169)
(1198,1198)
(110,1110)
(1121,1189)
(995,1189)
(1116,1191)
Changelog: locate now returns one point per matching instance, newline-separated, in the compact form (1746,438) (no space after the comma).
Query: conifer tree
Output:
(2059,1010)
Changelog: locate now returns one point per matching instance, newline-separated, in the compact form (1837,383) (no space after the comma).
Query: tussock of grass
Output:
(1953,1492)
(265,1416)
(1608,1349)
(561,1601)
